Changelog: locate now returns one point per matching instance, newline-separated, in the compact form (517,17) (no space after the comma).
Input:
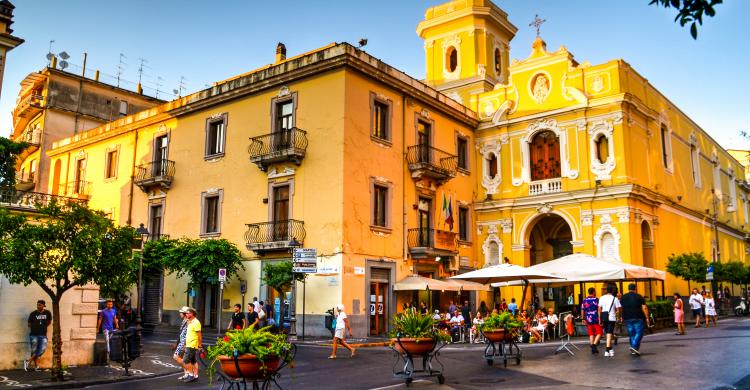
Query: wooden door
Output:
(545,156)
(281,213)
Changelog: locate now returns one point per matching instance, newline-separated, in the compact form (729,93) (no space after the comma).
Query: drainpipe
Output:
(132,179)
(403,186)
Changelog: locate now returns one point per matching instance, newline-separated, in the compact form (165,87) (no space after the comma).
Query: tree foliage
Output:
(734,272)
(63,246)
(9,151)
(689,266)
(279,276)
(200,260)
(690,11)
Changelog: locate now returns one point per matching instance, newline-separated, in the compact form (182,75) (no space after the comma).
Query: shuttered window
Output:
(609,249)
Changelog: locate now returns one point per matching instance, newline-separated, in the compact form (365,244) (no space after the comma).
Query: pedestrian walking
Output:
(262,318)
(193,345)
(238,320)
(635,316)
(696,304)
(38,322)
(342,324)
(609,305)
(107,322)
(710,309)
(179,350)
(252,316)
(679,315)
(590,311)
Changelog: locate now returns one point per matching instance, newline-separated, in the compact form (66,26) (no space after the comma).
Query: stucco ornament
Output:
(597,84)
(487,149)
(602,170)
(540,88)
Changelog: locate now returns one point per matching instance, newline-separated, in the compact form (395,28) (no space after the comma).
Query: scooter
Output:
(741,309)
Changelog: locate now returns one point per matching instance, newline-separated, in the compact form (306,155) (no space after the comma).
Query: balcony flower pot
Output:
(250,367)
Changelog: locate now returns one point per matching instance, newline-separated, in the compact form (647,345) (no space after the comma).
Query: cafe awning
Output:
(420,283)
(466,285)
(505,273)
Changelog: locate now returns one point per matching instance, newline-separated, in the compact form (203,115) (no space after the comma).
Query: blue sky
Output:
(209,41)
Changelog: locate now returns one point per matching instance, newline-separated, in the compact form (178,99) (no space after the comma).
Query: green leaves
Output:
(279,275)
(9,151)
(690,11)
(504,320)
(690,266)
(259,342)
(413,324)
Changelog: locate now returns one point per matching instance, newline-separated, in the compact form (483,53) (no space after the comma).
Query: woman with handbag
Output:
(609,305)
(179,346)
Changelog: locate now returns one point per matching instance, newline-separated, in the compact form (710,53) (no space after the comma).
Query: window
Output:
(462,151)
(498,63)
(211,213)
(155,223)
(80,184)
(451,59)
(492,162)
(381,118)
(380,206)
(110,169)
(123,108)
(732,207)
(463,223)
(424,140)
(609,248)
(695,163)
(216,136)
(602,148)
(281,212)
(545,156)
(32,170)
(285,115)
(665,147)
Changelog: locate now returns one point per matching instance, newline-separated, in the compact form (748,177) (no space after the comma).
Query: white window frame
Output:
(602,170)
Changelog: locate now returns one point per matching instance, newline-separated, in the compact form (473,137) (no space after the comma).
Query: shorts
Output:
(609,327)
(38,345)
(191,356)
(697,312)
(180,350)
(594,329)
(339,333)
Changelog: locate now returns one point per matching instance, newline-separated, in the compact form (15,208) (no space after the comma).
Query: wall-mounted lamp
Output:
(679,198)
(265,200)
(437,258)
(598,183)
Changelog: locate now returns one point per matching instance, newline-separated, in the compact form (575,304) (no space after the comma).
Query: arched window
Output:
(609,249)
(493,256)
(492,160)
(602,148)
(498,63)
(545,156)
(451,59)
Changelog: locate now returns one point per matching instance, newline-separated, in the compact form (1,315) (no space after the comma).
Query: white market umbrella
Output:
(466,285)
(506,273)
(420,283)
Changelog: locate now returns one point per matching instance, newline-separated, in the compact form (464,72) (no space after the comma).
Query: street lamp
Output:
(143,232)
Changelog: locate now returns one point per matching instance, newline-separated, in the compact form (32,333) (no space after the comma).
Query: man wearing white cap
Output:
(179,350)
(342,323)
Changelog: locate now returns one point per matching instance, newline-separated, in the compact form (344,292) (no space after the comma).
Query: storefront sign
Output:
(359,270)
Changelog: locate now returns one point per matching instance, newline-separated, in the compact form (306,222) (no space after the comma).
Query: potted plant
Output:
(258,352)
(415,333)
(499,327)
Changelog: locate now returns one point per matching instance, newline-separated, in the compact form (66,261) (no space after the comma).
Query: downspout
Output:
(403,187)
(132,180)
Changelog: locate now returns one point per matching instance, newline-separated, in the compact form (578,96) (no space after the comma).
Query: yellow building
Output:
(7,40)
(335,150)
(331,149)
(587,158)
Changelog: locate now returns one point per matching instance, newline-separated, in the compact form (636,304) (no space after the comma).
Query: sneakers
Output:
(184,375)
(188,378)
(634,352)
(610,353)
(594,349)
(26,365)
(606,353)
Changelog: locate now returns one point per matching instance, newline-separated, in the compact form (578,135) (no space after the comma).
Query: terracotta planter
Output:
(420,346)
(250,366)
(498,335)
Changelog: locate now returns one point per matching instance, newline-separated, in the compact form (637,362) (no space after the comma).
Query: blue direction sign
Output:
(305,260)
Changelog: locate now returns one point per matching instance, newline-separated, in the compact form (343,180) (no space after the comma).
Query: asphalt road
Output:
(715,358)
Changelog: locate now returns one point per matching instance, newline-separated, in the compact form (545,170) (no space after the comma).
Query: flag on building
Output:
(449,212)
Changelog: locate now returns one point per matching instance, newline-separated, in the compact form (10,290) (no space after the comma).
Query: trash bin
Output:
(115,346)
(100,351)
(329,321)
(133,339)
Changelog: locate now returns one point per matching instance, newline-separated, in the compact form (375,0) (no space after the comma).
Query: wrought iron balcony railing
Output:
(77,189)
(424,242)
(284,145)
(156,173)
(31,200)
(427,161)
(275,235)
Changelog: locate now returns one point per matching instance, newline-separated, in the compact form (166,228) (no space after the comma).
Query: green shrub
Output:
(411,324)
(660,309)
(501,321)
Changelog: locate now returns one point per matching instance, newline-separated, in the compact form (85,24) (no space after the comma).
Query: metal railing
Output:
(425,156)
(32,136)
(275,231)
(548,186)
(282,145)
(26,177)
(421,238)
(32,199)
(31,100)
(155,172)
(77,188)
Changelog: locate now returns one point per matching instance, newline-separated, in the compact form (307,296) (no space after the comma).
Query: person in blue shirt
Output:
(513,306)
(107,322)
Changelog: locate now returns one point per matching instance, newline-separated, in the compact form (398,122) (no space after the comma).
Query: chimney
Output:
(96,75)
(280,53)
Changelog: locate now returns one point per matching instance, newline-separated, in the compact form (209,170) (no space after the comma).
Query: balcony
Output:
(428,162)
(30,200)
(76,189)
(424,243)
(32,136)
(158,173)
(286,145)
(548,186)
(274,236)
(26,108)
(25,181)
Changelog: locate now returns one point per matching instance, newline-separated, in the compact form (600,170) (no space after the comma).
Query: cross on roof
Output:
(537,23)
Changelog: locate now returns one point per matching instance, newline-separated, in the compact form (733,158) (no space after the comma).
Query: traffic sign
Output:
(710,273)
(304,253)
(222,274)
(305,267)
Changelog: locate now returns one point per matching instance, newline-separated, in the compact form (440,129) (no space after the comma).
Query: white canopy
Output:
(505,273)
(419,283)
(580,267)
(466,285)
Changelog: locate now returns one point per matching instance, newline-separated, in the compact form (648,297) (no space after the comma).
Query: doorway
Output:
(379,278)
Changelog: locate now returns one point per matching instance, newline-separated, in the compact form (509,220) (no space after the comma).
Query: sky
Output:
(202,42)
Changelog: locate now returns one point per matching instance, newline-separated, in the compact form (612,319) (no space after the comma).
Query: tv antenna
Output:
(121,68)
(50,56)
(140,68)
(180,88)
(159,84)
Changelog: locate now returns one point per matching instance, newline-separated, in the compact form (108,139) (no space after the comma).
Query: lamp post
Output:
(293,305)
(143,232)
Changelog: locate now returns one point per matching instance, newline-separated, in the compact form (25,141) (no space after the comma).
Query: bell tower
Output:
(466,47)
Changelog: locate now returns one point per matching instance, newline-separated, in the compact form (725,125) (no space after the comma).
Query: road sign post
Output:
(305,261)
(222,279)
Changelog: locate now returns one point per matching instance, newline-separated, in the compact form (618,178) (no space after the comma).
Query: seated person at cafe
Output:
(552,318)
(456,322)
(437,316)
(477,323)
(541,324)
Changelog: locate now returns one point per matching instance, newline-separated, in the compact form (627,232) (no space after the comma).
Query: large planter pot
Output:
(498,335)
(250,366)
(420,346)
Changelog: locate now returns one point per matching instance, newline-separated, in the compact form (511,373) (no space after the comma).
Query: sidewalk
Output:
(154,362)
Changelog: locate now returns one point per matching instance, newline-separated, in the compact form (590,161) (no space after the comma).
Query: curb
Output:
(79,384)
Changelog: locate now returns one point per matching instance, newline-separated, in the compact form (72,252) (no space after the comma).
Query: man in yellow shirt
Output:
(193,345)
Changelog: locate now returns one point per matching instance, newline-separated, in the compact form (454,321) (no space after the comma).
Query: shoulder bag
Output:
(604,315)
